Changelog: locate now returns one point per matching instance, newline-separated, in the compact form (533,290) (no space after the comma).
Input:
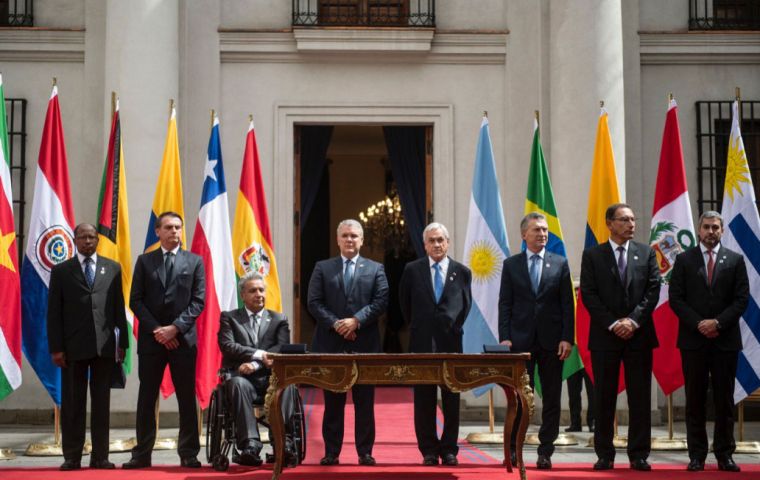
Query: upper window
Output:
(724,15)
(16,13)
(366,13)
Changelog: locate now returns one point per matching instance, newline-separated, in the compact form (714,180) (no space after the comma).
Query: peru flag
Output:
(212,241)
(672,232)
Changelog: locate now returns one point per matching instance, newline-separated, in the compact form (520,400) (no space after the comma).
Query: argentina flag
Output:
(485,248)
(742,234)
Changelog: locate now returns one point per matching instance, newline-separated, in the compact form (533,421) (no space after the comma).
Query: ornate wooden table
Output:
(458,372)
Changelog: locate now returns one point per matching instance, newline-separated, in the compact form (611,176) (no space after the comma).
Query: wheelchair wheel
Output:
(214,427)
(297,428)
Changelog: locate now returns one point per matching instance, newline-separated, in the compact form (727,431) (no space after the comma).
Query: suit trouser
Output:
(364,419)
(425,403)
(241,395)
(638,383)
(74,381)
(699,367)
(575,383)
(550,372)
(151,371)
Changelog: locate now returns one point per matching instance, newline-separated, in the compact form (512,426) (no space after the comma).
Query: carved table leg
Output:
(526,399)
(277,433)
(509,421)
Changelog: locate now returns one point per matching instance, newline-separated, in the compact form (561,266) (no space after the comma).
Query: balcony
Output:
(16,13)
(724,15)
(364,13)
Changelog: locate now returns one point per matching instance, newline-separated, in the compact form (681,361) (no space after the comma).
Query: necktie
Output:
(710,266)
(89,271)
(534,271)
(622,265)
(438,282)
(169,266)
(255,326)
(348,275)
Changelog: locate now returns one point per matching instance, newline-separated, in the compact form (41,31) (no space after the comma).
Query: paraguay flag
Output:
(485,248)
(742,234)
(50,241)
(251,235)
(213,243)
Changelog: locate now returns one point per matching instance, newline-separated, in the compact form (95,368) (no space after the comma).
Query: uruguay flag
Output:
(742,234)
(50,241)
(485,248)
(212,241)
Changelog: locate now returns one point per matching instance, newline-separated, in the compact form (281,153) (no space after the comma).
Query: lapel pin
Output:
(451,278)
(547,265)
(102,270)
(721,261)
(635,257)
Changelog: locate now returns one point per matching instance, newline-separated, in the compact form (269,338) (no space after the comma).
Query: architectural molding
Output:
(41,45)
(391,46)
(702,48)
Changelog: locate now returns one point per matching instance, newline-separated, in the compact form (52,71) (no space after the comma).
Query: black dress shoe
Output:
(430,460)
(604,464)
(641,465)
(544,462)
(329,459)
(696,465)
(249,457)
(367,460)
(70,465)
(573,428)
(190,462)
(449,459)
(136,463)
(291,459)
(728,465)
(101,464)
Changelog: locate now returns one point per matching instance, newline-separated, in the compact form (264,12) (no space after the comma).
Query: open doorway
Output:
(342,171)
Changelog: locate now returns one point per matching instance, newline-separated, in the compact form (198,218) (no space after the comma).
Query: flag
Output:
(540,198)
(251,237)
(113,222)
(485,248)
(602,192)
(168,198)
(671,233)
(212,242)
(50,241)
(742,234)
(10,289)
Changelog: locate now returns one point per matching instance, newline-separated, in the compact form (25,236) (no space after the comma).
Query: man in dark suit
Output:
(347,294)
(167,296)
(435,299)
(620,287)
(709,291)
(85,305)
(246,336)
(536,315)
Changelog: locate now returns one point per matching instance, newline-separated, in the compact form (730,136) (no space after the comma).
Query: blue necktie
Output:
(348,275)
(535,265)
(89,271)
(438,283)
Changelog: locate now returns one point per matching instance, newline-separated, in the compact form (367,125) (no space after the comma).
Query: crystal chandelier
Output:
(383,224)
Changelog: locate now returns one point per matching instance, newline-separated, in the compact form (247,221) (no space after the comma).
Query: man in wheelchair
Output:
(246,336)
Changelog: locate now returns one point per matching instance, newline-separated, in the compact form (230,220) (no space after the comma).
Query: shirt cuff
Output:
(258,355)
(613,325)
(634,323)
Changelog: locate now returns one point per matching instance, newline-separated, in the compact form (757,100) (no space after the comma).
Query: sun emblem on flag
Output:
(484,261)
(255,259)
(55,245)
(737,170)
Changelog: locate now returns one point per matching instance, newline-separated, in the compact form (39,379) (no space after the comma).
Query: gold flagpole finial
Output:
(171,106)
(113,103)
(601,103)
(738,94)
(213,114)
(670,97)
(250,118)
(55,81)
(485,113)
(535,112)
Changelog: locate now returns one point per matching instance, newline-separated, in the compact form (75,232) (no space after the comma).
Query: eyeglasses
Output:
(625,219)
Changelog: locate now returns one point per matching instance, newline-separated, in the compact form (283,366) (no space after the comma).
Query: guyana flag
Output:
(251,237)
(540,198)
(113,222)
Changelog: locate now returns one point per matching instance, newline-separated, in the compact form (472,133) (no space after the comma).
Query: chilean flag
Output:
(50,241)
(213,242)
(672,232)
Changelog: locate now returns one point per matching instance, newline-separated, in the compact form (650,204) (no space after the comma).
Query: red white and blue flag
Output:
(213,242)
(50,241)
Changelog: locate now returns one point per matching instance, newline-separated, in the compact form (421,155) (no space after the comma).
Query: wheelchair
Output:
(220,427)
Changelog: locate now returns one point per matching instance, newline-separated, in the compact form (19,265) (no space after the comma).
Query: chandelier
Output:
(383,224)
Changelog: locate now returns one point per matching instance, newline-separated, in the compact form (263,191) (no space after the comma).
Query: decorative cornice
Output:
(691,48)
(351,46)
(36,45)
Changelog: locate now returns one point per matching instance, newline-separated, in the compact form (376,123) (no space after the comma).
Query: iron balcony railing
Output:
(16,13)
(724,15)
(364,13)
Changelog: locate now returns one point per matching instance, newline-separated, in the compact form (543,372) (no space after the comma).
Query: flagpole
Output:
(669,442)
(167,443)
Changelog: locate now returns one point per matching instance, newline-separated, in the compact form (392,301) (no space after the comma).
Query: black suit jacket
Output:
(429,321)
(328,302)
(81,320)
(542,319)
(693,300)
(156,304)
(607,299)
(236,337)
